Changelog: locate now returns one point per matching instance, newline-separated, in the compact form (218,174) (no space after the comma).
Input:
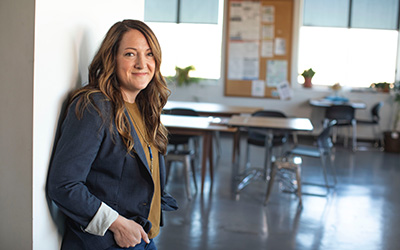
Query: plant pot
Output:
(307,82)
(392,141)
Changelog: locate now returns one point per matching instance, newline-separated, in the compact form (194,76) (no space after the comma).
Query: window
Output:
(354,45)
(181,11)
(185,44)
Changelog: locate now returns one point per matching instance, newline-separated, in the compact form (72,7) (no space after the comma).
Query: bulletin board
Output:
(258,47)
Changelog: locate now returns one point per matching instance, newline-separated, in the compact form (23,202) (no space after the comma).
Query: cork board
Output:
(258,47)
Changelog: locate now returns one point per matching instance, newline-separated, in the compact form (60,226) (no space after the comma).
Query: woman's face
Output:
(135,64)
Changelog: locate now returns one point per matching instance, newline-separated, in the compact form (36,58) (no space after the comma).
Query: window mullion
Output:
(178,12)
(350,9)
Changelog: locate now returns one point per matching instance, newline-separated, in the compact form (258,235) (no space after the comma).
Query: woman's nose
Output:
(139,63)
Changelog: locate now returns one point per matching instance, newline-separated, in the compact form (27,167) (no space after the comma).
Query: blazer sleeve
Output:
(75,152)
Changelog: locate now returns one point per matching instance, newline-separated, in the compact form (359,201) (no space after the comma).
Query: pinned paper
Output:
(257,88)
(284,91)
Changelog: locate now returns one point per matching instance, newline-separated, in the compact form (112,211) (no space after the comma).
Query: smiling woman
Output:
(135,64)
(107,174)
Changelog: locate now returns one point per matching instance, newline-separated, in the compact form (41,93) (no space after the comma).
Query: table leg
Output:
(207,155)
(268,154)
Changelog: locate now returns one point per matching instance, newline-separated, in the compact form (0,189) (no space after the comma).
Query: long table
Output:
(202,126)
(212,109)
(326,102)
(265,125)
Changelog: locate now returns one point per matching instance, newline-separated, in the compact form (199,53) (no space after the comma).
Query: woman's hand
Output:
(128,233)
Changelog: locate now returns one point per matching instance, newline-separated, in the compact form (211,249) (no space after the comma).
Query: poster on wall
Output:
(268,13)
(244,21)
(276,72)
(244,61)
(244,40)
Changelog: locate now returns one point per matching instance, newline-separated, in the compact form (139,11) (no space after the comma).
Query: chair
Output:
(183,140)
(292,162)
(187,159)
(181,151)
(322,150)
(374,122)
(257,139)
(293,165)
(345,117)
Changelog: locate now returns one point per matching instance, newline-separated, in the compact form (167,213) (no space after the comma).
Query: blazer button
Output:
(144,204)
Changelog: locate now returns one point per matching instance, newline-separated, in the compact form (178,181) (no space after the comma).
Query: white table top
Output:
(323,102)
(215,109)
(193,123)
(295,124)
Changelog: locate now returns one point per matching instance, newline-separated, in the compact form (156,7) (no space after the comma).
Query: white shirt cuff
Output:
(102,220)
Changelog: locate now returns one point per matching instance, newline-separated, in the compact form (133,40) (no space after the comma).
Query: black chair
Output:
(182,152)
(182,140)
(257,139)
(374,122)
(322,150)
(344,115)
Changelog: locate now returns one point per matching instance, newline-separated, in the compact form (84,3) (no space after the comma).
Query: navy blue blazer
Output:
(91,165)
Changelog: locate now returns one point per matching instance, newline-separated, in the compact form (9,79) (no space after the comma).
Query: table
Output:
(202,126)
(265,125)
(327,102)
(212,109)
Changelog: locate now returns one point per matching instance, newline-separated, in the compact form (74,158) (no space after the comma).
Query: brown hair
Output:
(103,78)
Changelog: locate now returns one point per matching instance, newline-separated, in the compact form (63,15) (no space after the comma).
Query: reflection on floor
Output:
(363,212)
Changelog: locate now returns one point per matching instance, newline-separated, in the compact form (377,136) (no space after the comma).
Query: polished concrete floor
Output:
(362,212)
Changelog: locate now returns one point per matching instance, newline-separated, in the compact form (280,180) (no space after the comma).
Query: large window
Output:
(353,42)
(187,42)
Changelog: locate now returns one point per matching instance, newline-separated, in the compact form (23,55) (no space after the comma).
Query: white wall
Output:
(16,99)
(67,34)
(44,53)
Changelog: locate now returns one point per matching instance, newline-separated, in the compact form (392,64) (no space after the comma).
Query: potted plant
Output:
(308,75)
(381,86)
(392,137)
(182,77)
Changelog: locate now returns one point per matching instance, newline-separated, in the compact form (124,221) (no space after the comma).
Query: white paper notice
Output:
(244,63)
(257,88)
(276,72)
(268,32)
(268,14)
(267,49)
(284,90)
(244,22)
(280,46)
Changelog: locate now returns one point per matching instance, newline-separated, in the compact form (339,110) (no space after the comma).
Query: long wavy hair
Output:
(103,78)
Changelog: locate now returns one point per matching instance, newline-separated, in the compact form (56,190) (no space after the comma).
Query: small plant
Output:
(309,73)
(381,86)
(182,77)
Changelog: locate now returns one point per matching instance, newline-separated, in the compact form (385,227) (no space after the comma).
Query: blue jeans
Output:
(142,246)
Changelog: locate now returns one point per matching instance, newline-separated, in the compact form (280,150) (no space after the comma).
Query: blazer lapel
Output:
(137,146)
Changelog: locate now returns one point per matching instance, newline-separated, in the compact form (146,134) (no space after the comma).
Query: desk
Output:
(326,102)
(212,109)
(197,125)
(266,125)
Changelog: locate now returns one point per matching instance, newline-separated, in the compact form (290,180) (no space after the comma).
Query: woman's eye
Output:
(129,54)
(150,54)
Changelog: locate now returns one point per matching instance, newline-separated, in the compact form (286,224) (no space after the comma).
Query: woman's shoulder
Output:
(92,103)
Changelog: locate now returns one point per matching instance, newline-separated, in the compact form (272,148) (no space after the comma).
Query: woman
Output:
(107,174)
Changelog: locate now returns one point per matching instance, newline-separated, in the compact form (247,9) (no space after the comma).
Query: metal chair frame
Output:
(256,139)
(374,122)
(322,151)
(345,116)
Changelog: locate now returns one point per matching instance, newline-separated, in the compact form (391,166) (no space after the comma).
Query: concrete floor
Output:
(362,212)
